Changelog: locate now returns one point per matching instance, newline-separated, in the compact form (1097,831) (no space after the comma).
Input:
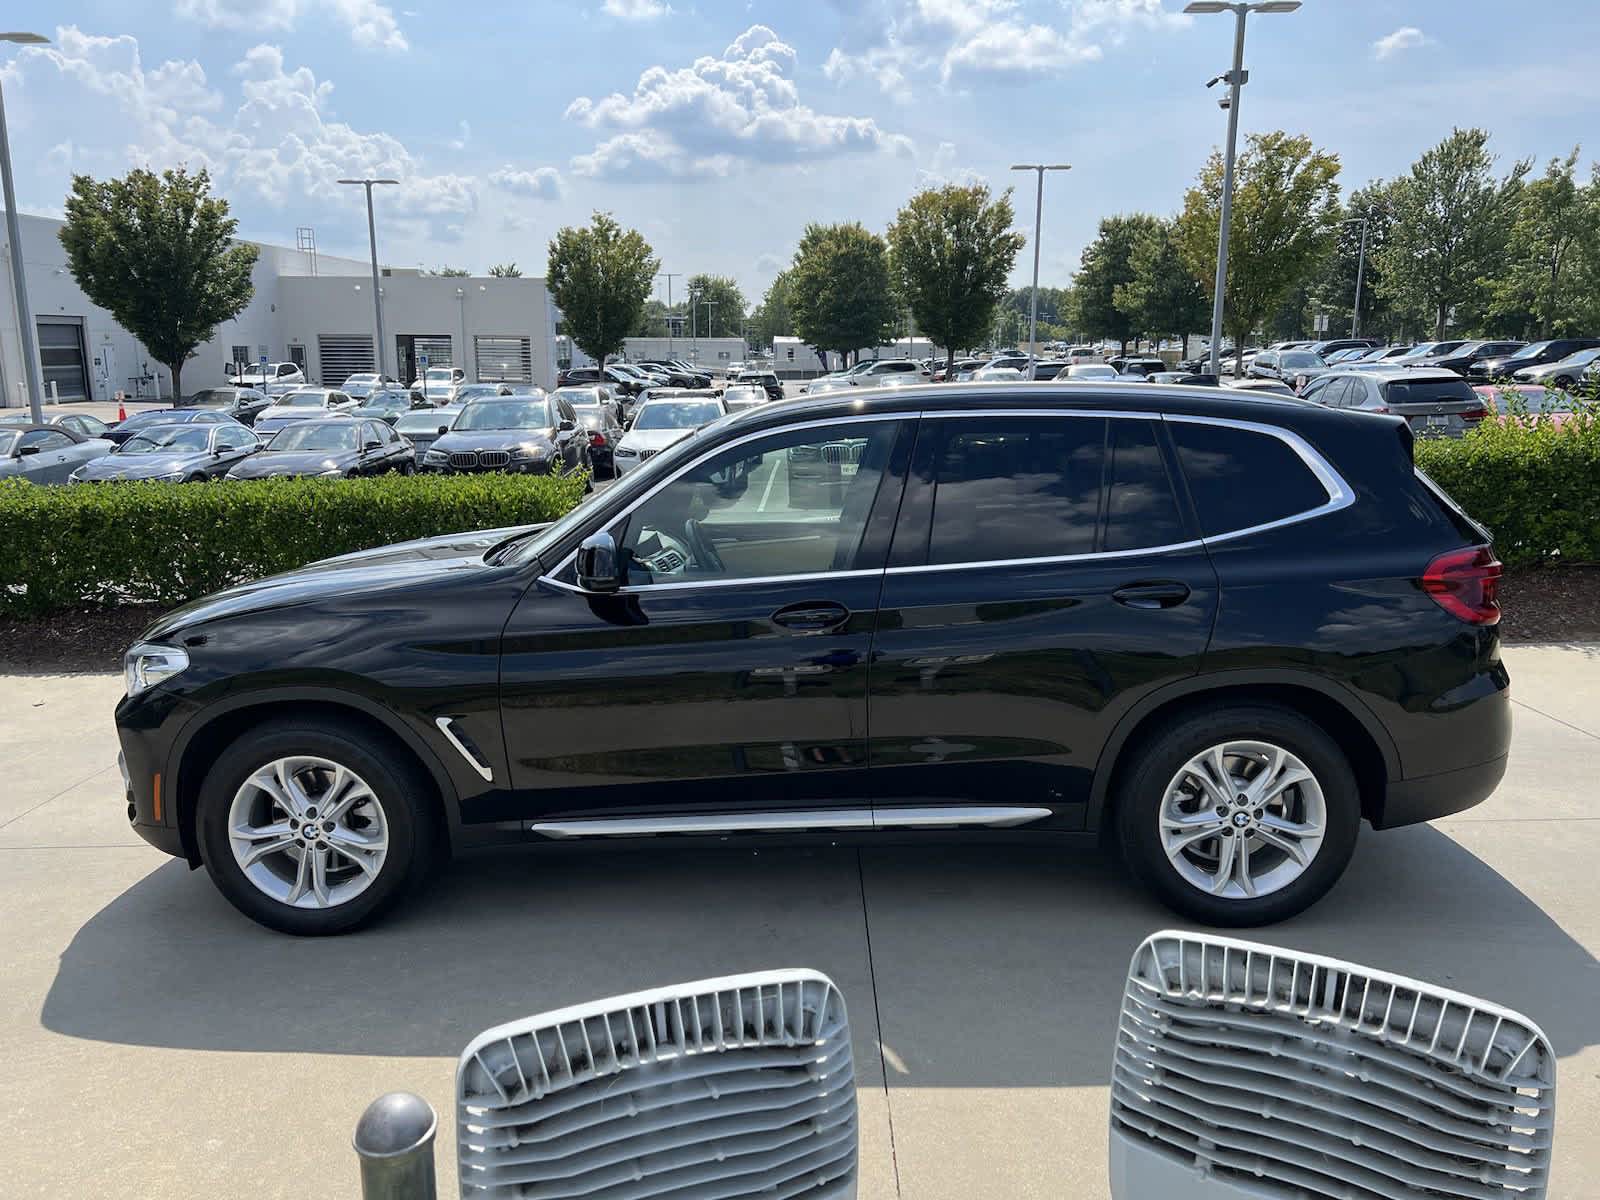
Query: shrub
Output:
(1535,484)
(166,543)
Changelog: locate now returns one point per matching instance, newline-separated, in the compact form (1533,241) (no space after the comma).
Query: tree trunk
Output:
(949,364)
(1438,324)
(177,381)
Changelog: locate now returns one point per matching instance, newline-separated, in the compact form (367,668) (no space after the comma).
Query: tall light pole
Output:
(372,241)
(25,327)
(669,276)
(1038,222)
(1361,266)
(1236,80)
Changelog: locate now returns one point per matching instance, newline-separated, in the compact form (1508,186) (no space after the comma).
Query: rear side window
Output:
(1240,478)
(1427,391)
(1141,506)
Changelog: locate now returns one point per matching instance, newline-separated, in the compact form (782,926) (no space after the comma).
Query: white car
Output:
(826,384)
(1566,373)
(438,381)
(279,379)
(309,402)
(661,422)
(877,371)
(361,386)
(996,375)
(1086,370)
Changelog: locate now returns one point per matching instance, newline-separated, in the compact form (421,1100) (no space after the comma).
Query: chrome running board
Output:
(934,817)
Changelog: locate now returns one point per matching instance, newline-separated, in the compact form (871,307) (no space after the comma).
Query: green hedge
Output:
(1533,483)
(165,543)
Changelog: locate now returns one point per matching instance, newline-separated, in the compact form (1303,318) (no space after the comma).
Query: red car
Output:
(1532,399)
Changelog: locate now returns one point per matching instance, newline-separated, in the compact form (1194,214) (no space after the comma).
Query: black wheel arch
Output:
(1372,751)
(218,725)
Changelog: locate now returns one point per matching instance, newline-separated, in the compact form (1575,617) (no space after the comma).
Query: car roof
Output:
(1387,370)
(31,427)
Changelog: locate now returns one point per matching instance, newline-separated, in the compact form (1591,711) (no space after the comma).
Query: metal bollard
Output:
(394,1140)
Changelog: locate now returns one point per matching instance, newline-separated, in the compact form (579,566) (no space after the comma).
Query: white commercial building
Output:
(312,309)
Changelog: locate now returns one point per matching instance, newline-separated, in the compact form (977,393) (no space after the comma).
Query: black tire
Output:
(401,788)
(1563,382)
(1156,760)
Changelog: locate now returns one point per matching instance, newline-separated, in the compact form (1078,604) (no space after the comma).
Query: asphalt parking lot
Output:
(155,1043)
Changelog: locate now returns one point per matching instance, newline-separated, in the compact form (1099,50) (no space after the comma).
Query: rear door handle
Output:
(811,616)
(1162,594)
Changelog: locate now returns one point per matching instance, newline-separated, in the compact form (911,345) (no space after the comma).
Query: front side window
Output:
(1242,478)
(45,439)
(792,503)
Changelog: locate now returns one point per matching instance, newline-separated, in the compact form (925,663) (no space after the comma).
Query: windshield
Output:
(384,400)
(426,421)
(677,414)
(215,398)
(159,441)
(1530,351)
(503,414)
(440,374)
(579,397)
(475,391)
(1299,358)
(305,400)
(315,436)
(361,379)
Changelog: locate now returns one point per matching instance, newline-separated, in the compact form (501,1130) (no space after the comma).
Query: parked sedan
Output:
(997,375)
(387,405)
(1529,400)
(136,423)
(1536,354)
(191,453)
(1467,353)
(827,384)
(597,417)
(46,453)
(1564,373)
(662,421)
(1082,372)
(744,395)
(361,386)
(510,433)
(79,423)
(425,426)
(243,404)
(340,447)
(306,404)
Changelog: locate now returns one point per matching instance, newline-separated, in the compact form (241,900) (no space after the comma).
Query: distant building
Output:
(308,308)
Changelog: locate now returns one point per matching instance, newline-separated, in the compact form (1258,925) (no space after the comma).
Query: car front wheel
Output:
(313,831)
(1242,816)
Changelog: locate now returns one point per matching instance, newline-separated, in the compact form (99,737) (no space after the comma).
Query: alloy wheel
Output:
(1242,819)
(308,832)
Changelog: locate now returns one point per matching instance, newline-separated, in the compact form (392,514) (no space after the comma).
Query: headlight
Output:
(626,452)
(436,456)
(146,665)
(528,453)
(171,476)
(333,474)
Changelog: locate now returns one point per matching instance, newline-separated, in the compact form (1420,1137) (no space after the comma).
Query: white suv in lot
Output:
(875,372)
(277,380)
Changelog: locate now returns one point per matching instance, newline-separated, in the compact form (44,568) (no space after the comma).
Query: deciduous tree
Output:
(1557,220)
(772,317)
(1285,199)
(1107,265)
(157,253)
(725,316)
(839,290)
(1163,297)
(508,270)
(951,250)
(600,277)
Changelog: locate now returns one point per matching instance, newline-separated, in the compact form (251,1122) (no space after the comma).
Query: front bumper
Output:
(536,467)
(1428,797)
(147,724)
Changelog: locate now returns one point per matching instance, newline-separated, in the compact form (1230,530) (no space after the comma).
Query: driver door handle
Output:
(1161,594)
(811,616)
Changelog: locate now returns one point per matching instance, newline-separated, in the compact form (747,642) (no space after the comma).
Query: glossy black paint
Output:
(379,451)
(1009,684)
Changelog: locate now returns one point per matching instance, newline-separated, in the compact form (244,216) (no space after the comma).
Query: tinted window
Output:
(1324,391)
(234,439)
(46,439)
(1427,391)
(1141,509)
(1240,478)
(1017,488)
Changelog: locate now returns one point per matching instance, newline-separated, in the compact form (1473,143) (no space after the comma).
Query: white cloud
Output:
(701,119)
(942,169)
(277,142)
(1405,38)
(635,10)
(463,136)
(372,24)
(542,183)
(894,40)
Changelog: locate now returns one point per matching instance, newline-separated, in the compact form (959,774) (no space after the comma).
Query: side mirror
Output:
(597,563)
(28,450)
(567,426)
(443,429)
(371,446)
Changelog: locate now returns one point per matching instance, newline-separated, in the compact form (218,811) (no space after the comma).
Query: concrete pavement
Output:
(154,1043)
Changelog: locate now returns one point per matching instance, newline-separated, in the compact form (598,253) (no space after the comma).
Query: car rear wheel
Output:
(1563,381)
(313,831)
(1243,816)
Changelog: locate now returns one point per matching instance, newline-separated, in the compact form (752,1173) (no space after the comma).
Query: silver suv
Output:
(1435,402)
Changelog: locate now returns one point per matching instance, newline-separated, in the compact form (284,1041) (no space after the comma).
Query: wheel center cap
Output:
(1241,819)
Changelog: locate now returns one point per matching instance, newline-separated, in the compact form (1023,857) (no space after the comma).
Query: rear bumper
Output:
(1410,801)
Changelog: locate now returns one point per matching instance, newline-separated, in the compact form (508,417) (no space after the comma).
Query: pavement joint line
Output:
(57,796)
(1558,720)
(877,1019)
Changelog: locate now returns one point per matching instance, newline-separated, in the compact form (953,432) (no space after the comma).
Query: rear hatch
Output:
(1434,407)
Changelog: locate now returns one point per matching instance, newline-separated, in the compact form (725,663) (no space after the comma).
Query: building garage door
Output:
(503,359)
(61,355)
(343,355)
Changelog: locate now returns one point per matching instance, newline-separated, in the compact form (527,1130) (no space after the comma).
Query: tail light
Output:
(597,439)
(1466,584)
(1475,414)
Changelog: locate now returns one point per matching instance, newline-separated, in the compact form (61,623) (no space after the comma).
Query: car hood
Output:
(403,563)
(292,462)
(653,439)
(143,466)
(490,439)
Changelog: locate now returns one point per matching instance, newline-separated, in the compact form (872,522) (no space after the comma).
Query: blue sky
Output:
(720,129)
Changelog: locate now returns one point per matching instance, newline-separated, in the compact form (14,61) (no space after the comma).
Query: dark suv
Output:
(1220,630)
(1535,354)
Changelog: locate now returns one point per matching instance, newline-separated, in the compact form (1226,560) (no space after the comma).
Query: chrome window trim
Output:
(1340,496)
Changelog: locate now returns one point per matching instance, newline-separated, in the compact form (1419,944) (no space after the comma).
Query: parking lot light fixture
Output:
(25,326)
(1038,221)
(1236,79)
(372,242)
(1361,266)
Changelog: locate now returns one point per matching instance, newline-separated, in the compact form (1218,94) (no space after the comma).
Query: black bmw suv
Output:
(1220,630)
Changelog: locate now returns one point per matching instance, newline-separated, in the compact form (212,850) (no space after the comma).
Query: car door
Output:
(232,446)
(565,433)
(728,675)
(46,455)
(1044,574)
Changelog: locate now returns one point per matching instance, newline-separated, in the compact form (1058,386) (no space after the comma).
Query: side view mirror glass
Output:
(567,425)
(597,563)
(372,446)
(29,450)
(443,429)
